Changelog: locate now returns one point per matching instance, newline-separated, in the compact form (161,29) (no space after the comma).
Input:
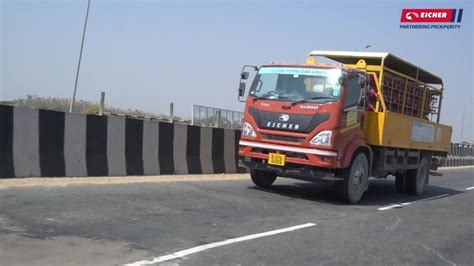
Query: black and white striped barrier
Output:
(46,143)
(42,143)
(460,155)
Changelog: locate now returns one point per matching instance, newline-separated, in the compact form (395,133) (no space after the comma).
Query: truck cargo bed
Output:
(391,129)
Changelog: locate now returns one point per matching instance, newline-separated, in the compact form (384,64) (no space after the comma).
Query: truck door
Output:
(352,117)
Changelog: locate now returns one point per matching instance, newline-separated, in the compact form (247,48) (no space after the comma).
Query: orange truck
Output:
(360,115)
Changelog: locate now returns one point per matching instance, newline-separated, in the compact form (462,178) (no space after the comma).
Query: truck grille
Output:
(295,122)
(282,138)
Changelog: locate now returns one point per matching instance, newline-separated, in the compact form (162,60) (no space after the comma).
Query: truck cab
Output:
(309,122)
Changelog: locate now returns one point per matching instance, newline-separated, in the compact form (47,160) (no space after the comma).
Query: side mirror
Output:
(242,89)
(341,80)
(244,75)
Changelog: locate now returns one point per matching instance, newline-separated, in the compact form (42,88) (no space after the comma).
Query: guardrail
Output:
(216,117)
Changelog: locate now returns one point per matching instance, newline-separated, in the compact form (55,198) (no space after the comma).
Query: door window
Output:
(353,91)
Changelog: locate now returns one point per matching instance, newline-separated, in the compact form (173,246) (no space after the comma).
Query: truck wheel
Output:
(356,178)
(262,178)
(416,179)
(400,183)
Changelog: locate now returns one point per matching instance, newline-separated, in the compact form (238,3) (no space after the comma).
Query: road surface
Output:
(232,222)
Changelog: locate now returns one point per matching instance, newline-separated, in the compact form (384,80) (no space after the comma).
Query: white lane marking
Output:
(469,188)
(456,167)
(408,203)
(189,251)
(389,207)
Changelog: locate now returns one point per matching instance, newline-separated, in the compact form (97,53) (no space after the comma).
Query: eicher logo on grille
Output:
(429,18)
(289,126)
(283,118)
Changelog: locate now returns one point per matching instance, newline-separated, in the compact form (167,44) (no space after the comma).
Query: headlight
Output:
(247,130)
(322,138)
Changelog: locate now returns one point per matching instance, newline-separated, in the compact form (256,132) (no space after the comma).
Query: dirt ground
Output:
(65,181)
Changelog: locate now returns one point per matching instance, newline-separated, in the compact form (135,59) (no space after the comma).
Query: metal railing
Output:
(216,117)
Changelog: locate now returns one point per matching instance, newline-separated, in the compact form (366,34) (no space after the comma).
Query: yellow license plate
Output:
(276,159)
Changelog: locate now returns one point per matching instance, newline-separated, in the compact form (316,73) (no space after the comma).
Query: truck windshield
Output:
(297,83)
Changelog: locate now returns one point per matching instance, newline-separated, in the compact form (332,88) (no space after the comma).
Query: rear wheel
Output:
(356,178)
(417,179)
(262,178)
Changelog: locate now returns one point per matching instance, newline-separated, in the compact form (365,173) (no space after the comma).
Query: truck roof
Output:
(303,65)
(377,58)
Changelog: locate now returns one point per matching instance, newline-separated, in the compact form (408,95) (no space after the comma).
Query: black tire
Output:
(356,179)
(417,179)
(262,178)
(400,183)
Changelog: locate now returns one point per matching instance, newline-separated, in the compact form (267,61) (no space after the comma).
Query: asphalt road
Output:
(127,223)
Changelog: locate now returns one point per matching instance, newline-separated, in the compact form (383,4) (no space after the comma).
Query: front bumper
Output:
(301,172)
(300,155)
(287,148)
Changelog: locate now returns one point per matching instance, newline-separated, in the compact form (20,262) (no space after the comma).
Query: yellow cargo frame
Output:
(384,128)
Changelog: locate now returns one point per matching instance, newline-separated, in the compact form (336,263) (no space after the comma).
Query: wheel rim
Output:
(421,177)
(358,178)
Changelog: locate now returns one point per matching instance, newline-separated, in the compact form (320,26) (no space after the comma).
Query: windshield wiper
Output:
(270,93)
(312,98)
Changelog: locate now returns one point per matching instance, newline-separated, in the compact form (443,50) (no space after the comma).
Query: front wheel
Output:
(262,178)
(356,179)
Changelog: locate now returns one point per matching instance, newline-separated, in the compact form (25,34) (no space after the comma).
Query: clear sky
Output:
(146,54)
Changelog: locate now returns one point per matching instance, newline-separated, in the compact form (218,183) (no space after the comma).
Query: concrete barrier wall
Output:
(460,155)
(47,143)
(35,142)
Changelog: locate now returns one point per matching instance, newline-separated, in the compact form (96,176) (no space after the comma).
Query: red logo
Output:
(427,15)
